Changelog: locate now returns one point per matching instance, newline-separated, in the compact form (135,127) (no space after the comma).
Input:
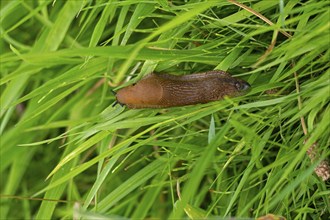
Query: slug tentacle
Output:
(164,90)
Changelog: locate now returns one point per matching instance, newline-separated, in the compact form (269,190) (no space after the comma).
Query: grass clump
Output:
(243,157)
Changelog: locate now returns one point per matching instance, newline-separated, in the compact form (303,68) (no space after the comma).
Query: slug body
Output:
(164,90)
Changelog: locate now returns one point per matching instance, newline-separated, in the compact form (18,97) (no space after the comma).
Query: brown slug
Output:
(164,90)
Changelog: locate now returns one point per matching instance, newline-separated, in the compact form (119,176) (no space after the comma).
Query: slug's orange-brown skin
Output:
(163,90)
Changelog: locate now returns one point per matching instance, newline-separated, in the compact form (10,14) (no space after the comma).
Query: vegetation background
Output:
(67,153)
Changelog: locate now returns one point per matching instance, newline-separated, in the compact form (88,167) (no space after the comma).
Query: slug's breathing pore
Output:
(163,90)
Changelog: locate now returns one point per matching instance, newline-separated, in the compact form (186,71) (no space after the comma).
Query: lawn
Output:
(68,151)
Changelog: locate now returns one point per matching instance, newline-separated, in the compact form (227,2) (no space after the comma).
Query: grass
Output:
(66,152)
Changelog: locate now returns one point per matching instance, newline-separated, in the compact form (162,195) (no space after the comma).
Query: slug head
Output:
(242,86)
(233,86)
